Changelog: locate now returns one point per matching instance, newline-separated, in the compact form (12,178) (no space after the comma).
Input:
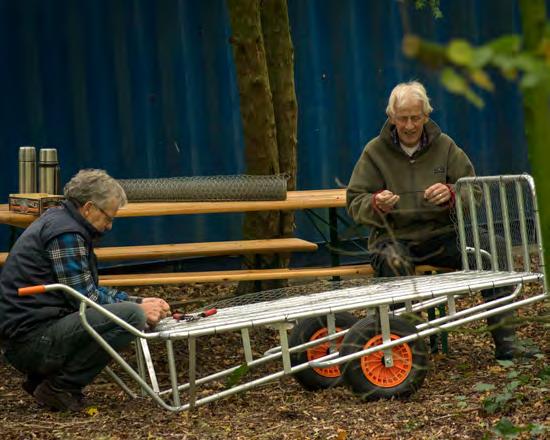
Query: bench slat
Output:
(231,275)
(241,247)
(161,251)
(243,275)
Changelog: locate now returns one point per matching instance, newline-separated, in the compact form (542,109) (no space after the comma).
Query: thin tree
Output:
(263,55)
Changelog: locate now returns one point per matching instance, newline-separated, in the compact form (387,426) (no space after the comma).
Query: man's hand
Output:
(385,200)
(155,309)
(438,194)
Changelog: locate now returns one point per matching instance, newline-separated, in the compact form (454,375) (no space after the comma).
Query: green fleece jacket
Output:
(384,165)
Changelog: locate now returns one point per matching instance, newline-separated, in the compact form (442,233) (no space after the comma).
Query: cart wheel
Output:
(311,329)
(368,376)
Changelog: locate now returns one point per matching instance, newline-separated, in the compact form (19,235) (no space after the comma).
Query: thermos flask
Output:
(48,171)
(27,170)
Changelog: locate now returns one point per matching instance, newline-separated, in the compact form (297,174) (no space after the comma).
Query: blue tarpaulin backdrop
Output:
(148,89)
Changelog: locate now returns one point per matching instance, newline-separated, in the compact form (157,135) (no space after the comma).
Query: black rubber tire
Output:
(414,359)
(306,329)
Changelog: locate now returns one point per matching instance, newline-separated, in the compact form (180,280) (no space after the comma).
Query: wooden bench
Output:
(166,251)
(245,275)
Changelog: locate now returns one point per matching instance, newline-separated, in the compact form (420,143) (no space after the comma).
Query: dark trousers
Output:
(393,258)
(398,257)
(66,354)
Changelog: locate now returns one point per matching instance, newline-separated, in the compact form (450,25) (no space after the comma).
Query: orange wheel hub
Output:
(322,350)
(377,373)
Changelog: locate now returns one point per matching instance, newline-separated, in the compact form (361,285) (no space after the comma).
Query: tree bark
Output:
(536,104)
(268,111)
(280,66)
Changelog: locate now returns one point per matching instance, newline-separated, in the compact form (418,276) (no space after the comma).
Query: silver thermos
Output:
(27,170)
(48,171)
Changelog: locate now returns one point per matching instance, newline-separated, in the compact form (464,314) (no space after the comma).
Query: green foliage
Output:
(480,386)
(460,52)
(519,376)
(459,85)
(468,67)
(462,403)
(235,377)
(433,4)
(506,429)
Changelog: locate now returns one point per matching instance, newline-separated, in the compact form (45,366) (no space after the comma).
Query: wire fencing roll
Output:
(206,188)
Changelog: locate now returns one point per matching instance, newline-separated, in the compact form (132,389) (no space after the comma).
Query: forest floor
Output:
(466,395)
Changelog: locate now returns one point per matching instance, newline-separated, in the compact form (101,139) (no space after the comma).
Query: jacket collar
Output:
(73,211)
(430,133)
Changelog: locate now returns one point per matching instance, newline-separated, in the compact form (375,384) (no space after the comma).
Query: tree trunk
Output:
(262,153)
(536,104)
(280,65)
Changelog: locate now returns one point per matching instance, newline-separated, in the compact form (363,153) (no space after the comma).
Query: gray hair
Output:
(404,93)
(94,186)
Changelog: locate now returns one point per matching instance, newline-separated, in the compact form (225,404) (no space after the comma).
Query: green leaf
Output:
(504,63)
(235,377)
(434,4)
(481,56)
(512,374)
(536,429)
(506,364)
(490,406)
(481,79)
(506,44)
(460,52)
(507,429)
(453,81)
(529,80)
(480,386)
(545,373)
(474,98)
(503,397)
(527,62)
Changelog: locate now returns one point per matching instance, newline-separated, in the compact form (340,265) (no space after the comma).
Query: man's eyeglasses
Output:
(415,119)
(109,218)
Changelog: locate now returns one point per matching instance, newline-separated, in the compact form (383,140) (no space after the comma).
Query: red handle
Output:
(209,312)
(32,290)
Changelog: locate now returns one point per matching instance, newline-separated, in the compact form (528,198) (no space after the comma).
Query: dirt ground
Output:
(466,395)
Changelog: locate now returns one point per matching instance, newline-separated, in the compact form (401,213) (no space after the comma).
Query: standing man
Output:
(42,335)
(402,187)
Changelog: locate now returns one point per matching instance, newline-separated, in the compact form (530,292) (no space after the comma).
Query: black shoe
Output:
(57,399)
(31,382)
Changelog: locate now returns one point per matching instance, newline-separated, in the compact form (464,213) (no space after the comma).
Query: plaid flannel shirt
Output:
(69,257)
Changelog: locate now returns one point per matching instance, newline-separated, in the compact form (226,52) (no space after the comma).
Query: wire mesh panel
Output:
(206,188)
(497,223)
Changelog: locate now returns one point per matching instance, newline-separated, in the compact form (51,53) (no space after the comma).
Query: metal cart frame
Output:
(505,205)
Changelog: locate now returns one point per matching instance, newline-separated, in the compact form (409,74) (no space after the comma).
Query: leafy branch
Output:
(465,67)
(433,4)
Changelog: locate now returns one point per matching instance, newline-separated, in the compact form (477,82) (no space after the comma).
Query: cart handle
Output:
(32,290)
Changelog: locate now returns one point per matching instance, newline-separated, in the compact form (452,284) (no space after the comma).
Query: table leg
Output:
(334,240)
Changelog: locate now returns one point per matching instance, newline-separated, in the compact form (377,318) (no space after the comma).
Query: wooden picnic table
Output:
(296,200)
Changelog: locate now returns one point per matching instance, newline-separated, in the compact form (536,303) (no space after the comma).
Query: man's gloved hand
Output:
(385,200)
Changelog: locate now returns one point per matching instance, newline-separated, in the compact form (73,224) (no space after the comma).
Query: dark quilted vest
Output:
(29,265)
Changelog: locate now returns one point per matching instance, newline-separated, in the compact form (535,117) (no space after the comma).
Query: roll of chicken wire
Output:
(205,188)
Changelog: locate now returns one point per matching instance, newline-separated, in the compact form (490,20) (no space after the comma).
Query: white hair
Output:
(406,92)
(96,186)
